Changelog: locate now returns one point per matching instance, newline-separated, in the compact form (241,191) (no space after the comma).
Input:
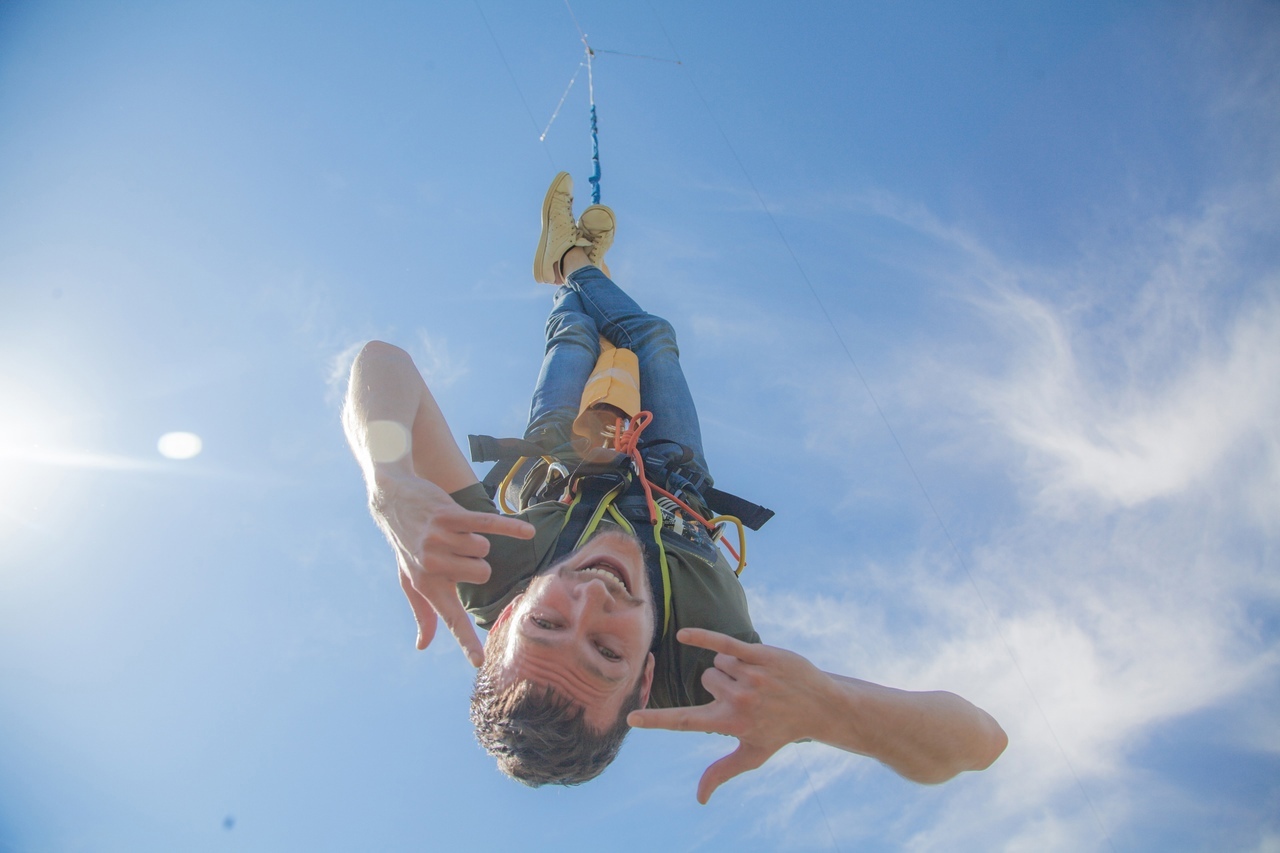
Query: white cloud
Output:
(1132,400)
(339,371)
(1269,842)
(439,367)
(1165,424)
(437,363)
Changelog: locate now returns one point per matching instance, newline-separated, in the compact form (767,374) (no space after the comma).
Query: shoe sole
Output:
(539,260)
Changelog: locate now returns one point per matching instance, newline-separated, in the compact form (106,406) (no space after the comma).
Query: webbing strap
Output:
(597,494)
(506,452)
(751,514)
(654,551)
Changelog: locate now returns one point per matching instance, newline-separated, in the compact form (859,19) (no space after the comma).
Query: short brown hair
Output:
(538,735)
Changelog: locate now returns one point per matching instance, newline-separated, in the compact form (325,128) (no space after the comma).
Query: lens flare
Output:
(179,445)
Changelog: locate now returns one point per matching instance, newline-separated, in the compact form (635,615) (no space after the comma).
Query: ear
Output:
(646,680)
(495,642)
(506,612)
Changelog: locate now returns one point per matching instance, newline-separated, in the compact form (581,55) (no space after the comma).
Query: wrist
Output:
(386,481)
(839,712)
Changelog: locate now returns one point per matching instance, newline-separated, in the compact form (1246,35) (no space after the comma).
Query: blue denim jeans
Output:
(588,306)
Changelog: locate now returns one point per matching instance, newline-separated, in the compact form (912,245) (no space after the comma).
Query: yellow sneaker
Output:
(598,224)
(559,231)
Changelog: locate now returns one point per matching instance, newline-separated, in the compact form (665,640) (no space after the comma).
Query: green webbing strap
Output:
(606,503)
(596,495)
(585,511)
(662,564)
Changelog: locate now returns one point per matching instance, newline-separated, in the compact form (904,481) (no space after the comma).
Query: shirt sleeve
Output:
(513,562)
(703,596)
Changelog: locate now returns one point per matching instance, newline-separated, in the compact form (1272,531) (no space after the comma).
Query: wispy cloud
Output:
(440,367)
(1130,400)
(339,371)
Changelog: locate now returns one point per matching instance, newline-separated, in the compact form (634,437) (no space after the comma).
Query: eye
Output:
(608,654)
(542,623)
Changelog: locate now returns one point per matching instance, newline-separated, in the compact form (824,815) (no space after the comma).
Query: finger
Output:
(696,719)
(717,642)
(423,614)
(453,569)
(741,760)
(444,598)
(442,540)
(489,522)
(730,666)
(466,544)
(718,684)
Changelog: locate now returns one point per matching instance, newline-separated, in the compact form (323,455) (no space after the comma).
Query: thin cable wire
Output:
(893,434)
(636,55)
(575,21)
(572,80)
(514,83)
(804,765)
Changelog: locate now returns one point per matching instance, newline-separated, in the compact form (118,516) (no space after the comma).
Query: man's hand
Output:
(768,697)
(764,696)
(438,545)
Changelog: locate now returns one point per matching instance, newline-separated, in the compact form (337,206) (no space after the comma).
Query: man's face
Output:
(583,628)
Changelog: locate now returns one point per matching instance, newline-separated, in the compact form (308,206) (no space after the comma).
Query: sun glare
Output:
(179,445)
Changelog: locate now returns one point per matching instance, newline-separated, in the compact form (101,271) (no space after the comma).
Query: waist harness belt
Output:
(509,452)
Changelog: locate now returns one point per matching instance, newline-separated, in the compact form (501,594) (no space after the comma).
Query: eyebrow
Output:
(590,665)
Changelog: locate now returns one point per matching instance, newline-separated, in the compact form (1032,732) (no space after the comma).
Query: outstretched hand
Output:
(764,696)
(438,545)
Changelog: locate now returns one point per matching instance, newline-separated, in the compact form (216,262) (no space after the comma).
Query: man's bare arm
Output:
(768,697)
(386,389)
(411,465)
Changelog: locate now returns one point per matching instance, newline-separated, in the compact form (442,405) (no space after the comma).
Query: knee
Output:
(658,334)
(573,328)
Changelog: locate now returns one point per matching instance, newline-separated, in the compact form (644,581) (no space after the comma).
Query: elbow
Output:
(380,349)
(995,742)
(984,743)
(988,745)
(376,358)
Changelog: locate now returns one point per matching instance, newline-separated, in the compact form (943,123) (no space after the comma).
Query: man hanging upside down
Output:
(604,609)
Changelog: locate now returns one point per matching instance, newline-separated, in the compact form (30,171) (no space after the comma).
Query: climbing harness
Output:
(609,471)
(618,483)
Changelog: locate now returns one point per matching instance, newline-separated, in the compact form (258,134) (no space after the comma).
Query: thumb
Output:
(741,760)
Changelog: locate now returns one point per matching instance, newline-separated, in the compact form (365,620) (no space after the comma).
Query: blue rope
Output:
(595,135)
(595,159)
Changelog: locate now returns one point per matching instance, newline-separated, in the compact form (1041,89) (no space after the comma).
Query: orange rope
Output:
(628,442)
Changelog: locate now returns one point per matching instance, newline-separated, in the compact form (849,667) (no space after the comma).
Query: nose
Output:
(594,593)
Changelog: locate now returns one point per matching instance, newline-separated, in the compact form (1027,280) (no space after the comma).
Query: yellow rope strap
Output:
(742,539)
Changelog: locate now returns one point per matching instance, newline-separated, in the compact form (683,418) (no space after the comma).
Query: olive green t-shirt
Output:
(701,597)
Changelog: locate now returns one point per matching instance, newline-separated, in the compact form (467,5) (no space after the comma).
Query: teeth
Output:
(607,575)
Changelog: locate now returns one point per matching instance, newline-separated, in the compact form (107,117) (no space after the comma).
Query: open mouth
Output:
(612,575)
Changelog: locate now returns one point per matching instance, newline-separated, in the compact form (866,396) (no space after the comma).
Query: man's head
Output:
(566,662)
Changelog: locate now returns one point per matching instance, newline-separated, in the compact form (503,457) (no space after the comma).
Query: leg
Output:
(573,345)
(663,389)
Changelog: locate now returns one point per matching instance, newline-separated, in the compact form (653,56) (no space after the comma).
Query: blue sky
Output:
(1047,236)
